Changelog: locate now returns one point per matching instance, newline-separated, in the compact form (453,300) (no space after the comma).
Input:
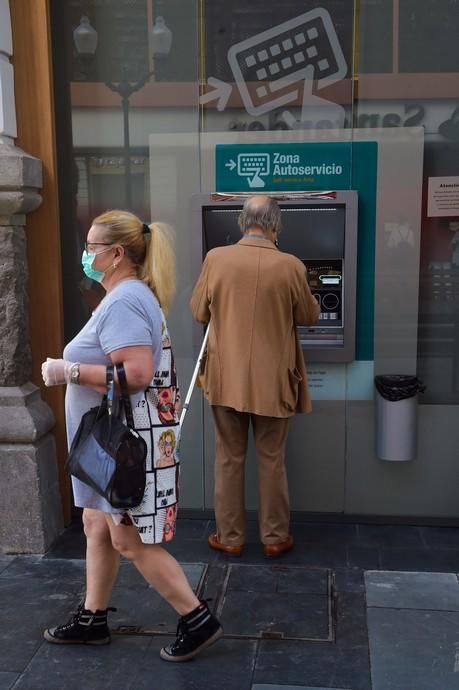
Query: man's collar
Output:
(261,242)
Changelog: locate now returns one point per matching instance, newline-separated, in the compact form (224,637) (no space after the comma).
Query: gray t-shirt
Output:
(128,315)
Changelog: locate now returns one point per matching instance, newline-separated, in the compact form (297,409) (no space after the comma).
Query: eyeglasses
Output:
(87,245)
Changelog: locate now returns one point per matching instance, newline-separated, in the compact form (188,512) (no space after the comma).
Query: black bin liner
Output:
(398,386)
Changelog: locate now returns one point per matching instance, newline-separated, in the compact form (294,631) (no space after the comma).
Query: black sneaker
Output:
(195,631)
(84,627)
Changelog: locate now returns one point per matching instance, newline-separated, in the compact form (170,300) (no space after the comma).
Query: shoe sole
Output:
(49,637)
(167,657)
(278,554)
(223,548)
(225,551)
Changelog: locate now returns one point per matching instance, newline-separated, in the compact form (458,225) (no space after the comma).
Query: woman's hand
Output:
(137,361)
(56,372)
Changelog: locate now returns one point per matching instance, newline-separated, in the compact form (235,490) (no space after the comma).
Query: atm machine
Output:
(322,232)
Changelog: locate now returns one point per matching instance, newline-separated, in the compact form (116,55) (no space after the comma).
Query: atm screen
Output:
(319,228)
(220,227)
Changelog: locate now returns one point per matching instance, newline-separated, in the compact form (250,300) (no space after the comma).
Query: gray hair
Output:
(261,212)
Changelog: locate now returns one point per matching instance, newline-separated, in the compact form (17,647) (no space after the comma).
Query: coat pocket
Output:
(294,379)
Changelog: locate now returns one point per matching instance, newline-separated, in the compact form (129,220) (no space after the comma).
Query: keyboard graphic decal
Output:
(254,166)
(275,67)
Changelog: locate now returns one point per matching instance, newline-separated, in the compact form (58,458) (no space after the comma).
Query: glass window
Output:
(427,43)
(428,35)
(121,32)
(375,38)
(180,65)
(116,87)
(228,23)
(438,338)
(263,58)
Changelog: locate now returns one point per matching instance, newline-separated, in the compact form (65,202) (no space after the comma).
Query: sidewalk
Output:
(353,607)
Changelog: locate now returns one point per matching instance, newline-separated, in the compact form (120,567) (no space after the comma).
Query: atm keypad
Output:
(325,281)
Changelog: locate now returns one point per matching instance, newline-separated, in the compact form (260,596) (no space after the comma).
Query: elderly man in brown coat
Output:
(254,296)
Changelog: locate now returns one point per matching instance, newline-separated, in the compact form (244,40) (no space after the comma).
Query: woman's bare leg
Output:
(157,566)
(102,560)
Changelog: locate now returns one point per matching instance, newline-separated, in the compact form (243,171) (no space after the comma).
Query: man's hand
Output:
(56,372)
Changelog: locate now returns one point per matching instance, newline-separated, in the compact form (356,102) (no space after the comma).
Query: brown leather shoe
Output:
(214,543)
(273,550)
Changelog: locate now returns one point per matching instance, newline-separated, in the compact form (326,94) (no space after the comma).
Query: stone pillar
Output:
(30,505)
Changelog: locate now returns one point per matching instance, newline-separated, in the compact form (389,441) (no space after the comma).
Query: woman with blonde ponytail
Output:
(135,263)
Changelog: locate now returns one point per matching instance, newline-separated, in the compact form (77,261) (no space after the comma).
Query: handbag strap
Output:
(110,394)
(125,399)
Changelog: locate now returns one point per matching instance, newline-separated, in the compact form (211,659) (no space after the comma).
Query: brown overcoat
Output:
(254,295)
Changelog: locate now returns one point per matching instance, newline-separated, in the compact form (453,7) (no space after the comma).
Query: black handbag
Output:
(107,454)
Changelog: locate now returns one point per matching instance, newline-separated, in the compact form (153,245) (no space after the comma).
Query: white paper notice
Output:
(443,196)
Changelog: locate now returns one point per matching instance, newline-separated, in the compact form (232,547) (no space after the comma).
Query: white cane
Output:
(186,404)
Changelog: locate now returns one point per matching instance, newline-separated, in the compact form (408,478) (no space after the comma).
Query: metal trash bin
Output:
(396,416)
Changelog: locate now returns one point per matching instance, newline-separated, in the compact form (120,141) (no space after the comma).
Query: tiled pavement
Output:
(353,607)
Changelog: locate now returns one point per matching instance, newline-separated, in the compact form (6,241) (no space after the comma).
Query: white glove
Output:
(56,372)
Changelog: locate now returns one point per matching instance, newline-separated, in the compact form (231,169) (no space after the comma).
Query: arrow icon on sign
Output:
(231,165)
(221,92)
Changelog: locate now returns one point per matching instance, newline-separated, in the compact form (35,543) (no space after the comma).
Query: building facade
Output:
(136,103)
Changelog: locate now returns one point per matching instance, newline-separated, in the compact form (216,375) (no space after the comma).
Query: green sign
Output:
(282,167)
(315,167)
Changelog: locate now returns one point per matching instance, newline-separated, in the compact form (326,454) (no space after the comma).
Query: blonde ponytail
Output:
(158,269)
